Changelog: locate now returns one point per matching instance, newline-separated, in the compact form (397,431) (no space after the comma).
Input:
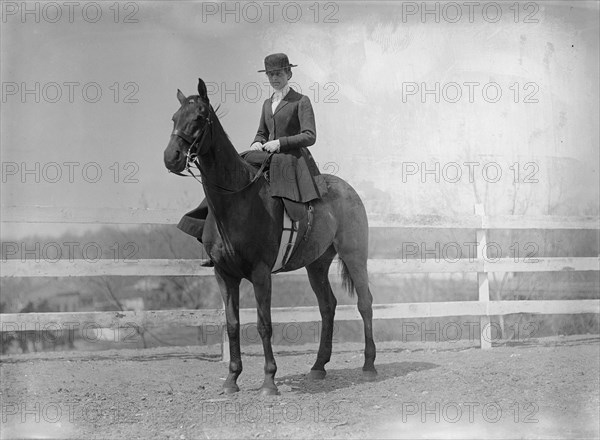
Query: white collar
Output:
(280,94)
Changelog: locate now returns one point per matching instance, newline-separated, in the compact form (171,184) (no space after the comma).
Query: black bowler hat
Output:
(276,61)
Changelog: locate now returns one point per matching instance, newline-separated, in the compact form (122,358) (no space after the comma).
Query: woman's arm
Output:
(308,130)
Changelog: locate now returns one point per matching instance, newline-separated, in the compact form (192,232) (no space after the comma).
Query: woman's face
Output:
(278,79)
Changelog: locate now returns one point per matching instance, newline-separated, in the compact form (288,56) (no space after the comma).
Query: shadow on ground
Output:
(348,377)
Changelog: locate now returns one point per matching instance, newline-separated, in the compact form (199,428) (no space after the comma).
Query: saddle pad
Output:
(288,239)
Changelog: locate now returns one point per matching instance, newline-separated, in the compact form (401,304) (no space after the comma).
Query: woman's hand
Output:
(271,146)
(256,146)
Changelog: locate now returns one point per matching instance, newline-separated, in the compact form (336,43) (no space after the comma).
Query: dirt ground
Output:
(545,388)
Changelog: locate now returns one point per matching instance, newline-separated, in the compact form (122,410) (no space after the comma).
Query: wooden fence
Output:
(484,309)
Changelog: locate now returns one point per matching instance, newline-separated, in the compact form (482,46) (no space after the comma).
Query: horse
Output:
(243,230)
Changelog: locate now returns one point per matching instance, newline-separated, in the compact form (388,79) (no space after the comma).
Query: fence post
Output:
(224,344)
(482,280)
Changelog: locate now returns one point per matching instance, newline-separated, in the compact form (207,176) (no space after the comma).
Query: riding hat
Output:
(276,61)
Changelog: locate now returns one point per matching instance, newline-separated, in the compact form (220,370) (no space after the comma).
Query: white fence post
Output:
(482,279)
(224,344)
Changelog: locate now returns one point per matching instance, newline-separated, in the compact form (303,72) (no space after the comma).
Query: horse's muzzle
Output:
(174,159)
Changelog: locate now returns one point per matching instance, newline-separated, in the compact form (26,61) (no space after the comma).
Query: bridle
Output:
(194,151)
(192,154)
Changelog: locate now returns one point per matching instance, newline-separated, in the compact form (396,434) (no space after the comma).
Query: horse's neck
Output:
(223,168)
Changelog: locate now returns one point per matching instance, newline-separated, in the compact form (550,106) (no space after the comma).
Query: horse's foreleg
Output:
(262,292)
(230,291)
(318,275)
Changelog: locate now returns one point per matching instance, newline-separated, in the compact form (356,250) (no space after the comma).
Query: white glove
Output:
(271,146)
(256,146)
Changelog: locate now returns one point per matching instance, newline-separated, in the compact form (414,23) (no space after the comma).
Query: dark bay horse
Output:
(243,230)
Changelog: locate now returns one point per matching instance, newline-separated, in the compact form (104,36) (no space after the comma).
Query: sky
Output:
(423,112)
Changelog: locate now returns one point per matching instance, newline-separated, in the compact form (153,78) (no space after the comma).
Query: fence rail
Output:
(138,216)
(208,317)
(482,265)
(191,267)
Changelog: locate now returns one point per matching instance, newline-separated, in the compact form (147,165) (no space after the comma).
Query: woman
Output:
(286,128)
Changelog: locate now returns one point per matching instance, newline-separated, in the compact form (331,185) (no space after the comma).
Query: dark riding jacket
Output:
(293,171)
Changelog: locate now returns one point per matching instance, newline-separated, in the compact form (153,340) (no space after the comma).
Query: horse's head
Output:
(191,124)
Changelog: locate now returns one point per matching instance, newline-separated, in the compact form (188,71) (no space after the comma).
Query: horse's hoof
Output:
(231,390)
(269,391)
(317,374)
(369,375)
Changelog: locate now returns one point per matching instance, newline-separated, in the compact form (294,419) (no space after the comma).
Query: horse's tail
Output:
(347,281)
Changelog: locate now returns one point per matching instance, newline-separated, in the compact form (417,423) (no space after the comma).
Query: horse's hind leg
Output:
(356,269)
(318,272)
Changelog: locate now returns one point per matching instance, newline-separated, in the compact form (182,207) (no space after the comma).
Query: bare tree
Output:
(108,288)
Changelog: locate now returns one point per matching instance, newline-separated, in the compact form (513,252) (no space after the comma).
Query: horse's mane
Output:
(220,116)
(221,113)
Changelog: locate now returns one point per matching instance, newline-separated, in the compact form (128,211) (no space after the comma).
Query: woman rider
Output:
(286,128)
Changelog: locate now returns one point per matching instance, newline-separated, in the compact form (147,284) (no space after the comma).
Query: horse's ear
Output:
(181,97)
(202,90)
